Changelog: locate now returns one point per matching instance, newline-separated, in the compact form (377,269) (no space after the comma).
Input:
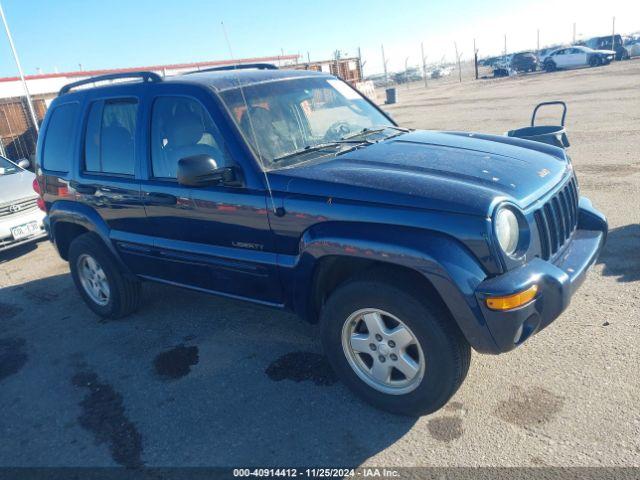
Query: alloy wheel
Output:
(93,279)
(383,351)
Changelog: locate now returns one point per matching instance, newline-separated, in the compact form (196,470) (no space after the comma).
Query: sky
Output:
(59,35)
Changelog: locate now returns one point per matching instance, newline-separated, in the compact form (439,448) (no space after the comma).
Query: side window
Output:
(181,127)
(110,137)
(58,144)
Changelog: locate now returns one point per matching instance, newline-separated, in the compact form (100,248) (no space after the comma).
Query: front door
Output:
(579,57)
(562,59)
(216,238)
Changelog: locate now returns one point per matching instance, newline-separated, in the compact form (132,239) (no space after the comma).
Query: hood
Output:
(16,186)
(450,171)
(606,52)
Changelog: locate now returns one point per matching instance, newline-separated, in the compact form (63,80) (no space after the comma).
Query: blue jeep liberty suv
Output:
(290,189)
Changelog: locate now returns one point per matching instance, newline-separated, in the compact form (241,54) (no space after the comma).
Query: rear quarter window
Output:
(58,140)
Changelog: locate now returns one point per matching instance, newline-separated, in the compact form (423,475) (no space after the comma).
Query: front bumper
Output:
(6,224)
(557,281)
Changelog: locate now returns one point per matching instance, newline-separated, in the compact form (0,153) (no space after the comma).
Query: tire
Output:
(445,352)
(550,66)
(595,61)
(124,291)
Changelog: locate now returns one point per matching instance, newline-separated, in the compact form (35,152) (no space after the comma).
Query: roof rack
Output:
(238,66)
(145,76)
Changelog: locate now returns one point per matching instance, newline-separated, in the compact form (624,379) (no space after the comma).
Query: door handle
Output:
(84,189)
(158,198)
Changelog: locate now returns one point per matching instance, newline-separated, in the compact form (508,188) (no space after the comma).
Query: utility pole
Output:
(538,42)
(308,57)
(458,60)
(424,64)
(32,112)
(574,34)
(475,57)
(613,37)
(384,64)
(406,66)
(360,64)
(505,47)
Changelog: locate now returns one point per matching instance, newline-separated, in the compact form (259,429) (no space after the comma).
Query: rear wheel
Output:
(396,350)
(107,290)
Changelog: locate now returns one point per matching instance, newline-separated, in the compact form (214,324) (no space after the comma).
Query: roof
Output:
(218,80)
(228,79)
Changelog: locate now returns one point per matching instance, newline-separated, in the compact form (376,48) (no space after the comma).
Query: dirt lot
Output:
(197,380)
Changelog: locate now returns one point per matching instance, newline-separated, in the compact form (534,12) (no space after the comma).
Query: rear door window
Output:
(110,137)
(58,142)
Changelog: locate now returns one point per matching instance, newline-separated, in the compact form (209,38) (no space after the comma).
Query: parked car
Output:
(491,61)
(633,47)
(290,189)
(605,43)
(21,220)
(577,56)
(524,62)
(440,72)
(545,52)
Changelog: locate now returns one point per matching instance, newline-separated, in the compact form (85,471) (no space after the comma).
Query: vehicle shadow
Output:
(18,251)
(621,254)
(194,380)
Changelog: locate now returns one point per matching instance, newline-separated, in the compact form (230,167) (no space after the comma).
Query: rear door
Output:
(215,238)
(106,180)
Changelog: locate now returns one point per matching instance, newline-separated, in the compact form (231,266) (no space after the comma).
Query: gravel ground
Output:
(196,380)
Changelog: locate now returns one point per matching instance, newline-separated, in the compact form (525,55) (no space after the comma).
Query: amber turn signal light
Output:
(516,300)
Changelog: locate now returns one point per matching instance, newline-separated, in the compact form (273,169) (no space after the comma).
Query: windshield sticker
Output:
(344,89)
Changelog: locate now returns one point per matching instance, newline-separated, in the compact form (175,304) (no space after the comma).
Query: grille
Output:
(17,207)
(558,219)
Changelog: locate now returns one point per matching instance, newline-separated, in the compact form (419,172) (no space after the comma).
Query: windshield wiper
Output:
(367,131)
(320,146)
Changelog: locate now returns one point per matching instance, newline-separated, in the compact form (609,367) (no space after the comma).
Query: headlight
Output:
(507,230)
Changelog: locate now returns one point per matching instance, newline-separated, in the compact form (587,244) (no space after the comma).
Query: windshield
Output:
(291,120)
(7,168)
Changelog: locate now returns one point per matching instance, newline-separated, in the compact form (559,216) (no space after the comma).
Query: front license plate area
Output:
(25,230)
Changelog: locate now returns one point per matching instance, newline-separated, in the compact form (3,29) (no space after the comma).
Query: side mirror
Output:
(24,163)
(202,170)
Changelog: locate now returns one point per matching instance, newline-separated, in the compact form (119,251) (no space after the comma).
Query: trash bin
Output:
(555,135)
(391,96)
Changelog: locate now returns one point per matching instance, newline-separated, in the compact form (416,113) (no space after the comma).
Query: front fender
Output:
(445,262)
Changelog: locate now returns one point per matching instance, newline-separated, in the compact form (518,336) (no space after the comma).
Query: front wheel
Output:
(550,66)
(396,350)
(595,61)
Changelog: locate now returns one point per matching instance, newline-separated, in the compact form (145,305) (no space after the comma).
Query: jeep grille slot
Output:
(557,219)
(16,207)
